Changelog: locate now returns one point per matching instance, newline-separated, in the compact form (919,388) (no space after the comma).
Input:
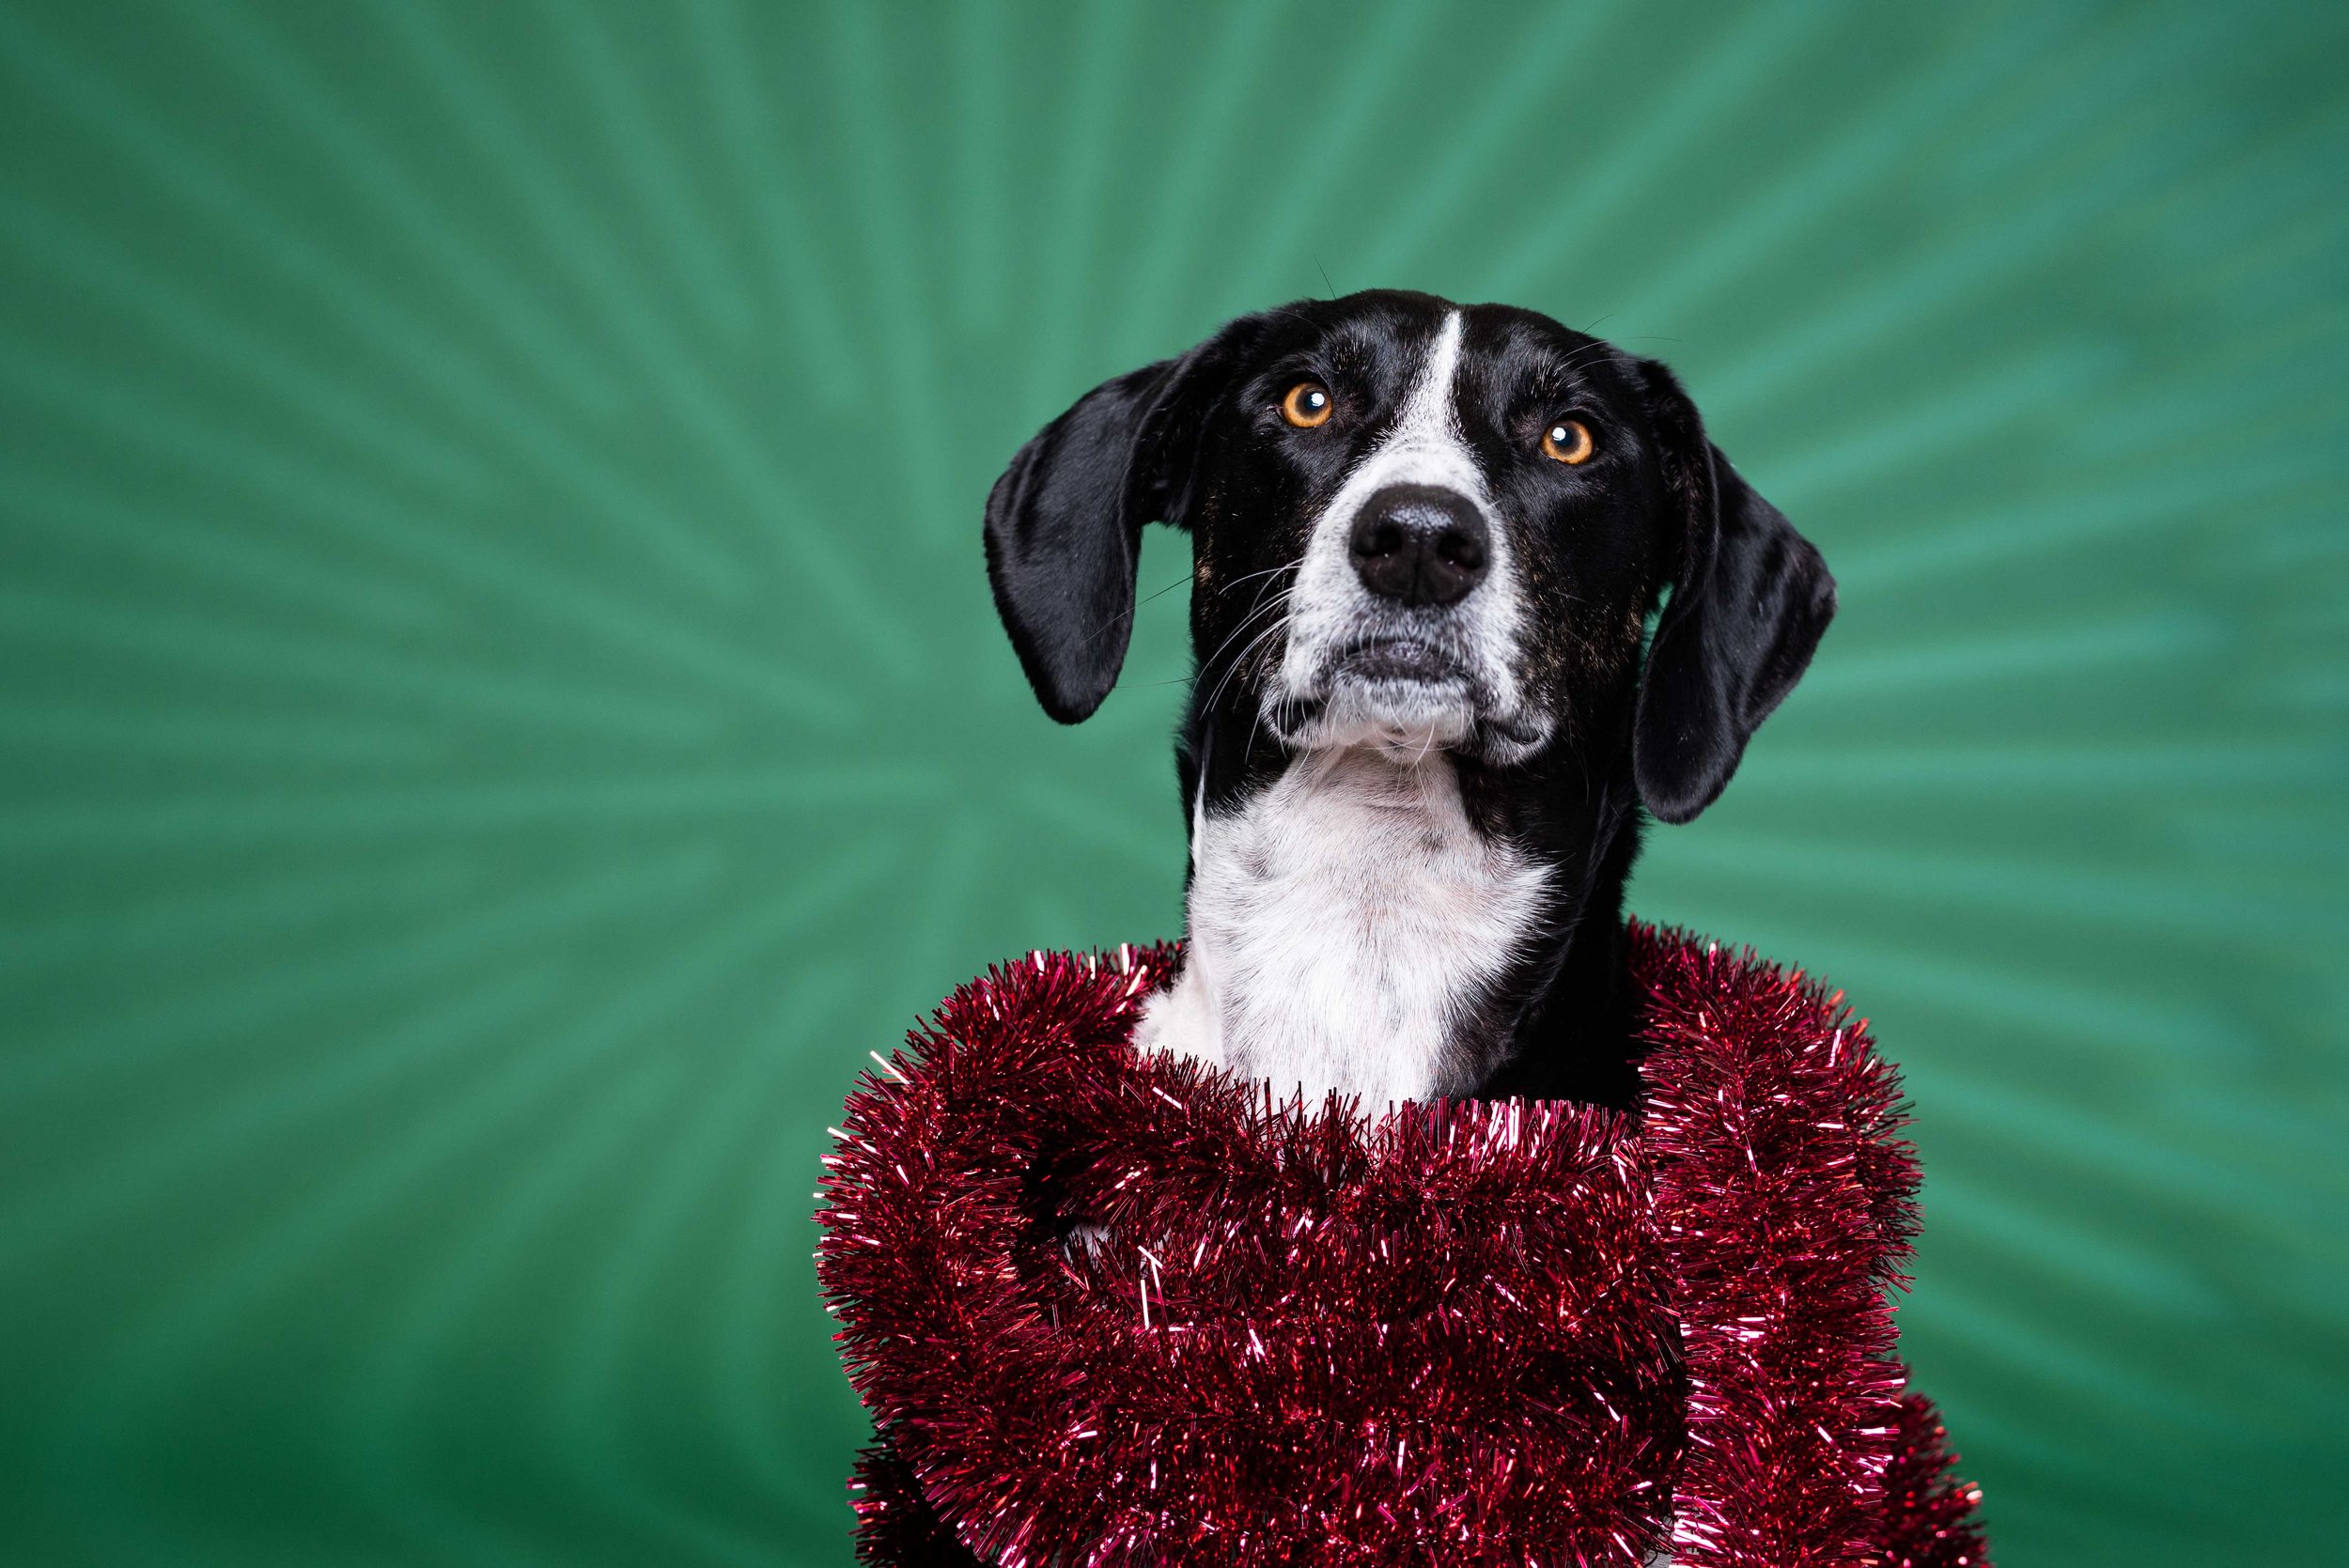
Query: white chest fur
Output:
(1341,927)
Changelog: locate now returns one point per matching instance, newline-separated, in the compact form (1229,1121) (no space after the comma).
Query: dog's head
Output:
(1417,525)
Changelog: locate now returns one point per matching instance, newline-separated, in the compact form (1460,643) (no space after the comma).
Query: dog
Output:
(1427,718)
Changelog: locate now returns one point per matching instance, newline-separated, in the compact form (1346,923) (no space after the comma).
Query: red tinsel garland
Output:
(1468,1333)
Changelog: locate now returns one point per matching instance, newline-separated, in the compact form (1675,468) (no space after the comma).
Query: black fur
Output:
(1656,518)
(1063,522)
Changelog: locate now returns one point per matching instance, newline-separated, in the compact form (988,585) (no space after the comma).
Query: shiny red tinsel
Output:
(1466,1333)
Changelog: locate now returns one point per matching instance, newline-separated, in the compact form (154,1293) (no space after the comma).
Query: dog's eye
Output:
(1569,441)
(1307,406)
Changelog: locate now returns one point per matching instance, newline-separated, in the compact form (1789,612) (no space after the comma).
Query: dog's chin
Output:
(1407,699)
(1399,715)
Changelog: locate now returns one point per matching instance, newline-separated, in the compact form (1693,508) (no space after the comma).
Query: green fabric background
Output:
(501,710)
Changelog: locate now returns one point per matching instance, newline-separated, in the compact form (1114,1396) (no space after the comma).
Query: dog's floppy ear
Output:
(1749,600)
(1063,524)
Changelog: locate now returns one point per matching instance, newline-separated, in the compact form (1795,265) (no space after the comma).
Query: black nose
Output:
(1420,544)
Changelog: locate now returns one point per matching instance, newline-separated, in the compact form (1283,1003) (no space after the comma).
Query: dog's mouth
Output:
(1403,694)
(1407,659)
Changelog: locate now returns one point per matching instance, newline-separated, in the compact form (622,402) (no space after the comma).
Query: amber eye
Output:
(1569,441)
(1307,406)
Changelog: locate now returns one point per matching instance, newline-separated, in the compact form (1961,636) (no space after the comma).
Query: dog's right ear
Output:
(1063,524)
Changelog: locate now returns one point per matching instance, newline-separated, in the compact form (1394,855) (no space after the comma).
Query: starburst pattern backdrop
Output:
(501,708)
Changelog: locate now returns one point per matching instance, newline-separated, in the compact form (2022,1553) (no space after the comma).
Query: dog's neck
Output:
(1401,927)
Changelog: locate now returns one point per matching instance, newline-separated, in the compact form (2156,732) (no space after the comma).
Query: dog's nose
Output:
(1420,544)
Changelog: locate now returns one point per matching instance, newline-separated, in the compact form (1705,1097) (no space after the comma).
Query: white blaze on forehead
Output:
(1424,446)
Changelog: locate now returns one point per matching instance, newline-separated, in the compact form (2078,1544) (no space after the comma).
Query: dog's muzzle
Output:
(1407,648)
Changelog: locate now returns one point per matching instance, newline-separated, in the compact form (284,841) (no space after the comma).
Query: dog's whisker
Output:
(1250,577)
(1161,593)
(1231,667)
(1240,662)
(1278,603)
(1256,609)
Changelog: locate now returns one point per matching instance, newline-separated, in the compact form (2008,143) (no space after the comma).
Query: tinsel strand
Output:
(1108,1309)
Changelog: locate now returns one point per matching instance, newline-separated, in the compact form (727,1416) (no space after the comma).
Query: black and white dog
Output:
(1427,541)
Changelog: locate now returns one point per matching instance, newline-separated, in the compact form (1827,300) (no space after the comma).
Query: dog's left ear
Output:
(1751,598)
(1063,524)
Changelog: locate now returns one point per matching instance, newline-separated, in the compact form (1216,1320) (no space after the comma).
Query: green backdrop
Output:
(501,710)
